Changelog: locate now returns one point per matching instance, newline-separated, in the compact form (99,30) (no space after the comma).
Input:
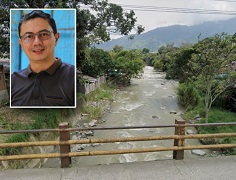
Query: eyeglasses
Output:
(42,35)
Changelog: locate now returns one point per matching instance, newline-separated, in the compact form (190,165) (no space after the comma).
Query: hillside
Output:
(176,34)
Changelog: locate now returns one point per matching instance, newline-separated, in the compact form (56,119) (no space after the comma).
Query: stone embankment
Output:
(85,122)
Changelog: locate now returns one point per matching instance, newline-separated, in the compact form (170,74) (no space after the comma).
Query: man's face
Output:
(38,50)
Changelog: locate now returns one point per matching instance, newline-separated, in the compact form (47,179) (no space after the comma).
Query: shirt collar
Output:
(51,70)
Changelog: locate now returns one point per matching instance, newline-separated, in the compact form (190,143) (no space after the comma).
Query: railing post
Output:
(64,149)
(179,130)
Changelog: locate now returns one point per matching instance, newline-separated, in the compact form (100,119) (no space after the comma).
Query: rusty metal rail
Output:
(121,151)
(65,143)
(114,128)
(112,140)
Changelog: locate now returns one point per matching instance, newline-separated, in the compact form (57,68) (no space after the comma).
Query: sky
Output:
(158,13)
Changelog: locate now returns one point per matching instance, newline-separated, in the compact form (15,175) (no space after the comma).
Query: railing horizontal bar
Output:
(83,129)
(121,151)
(198,136)
(209,124)
(112,140)
(156,149)
(28,131)
(114,128)
(27,144)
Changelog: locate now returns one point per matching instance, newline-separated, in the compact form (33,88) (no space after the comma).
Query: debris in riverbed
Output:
(155,117)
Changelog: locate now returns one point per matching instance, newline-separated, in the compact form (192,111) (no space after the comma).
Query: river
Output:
(149,100)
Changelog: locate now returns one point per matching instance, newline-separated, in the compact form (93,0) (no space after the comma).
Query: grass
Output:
(93,112)
(2,122)
(94,107)
(104,92)
(46,118)
(216,116)
(191,114)
(23,137)
(219,116)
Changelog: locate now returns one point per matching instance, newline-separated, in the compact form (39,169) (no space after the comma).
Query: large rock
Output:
(92,123)
(80,147)
(198,152)
(89,133)
(189,131)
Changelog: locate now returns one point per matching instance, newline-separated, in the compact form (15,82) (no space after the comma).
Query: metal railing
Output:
(65,142)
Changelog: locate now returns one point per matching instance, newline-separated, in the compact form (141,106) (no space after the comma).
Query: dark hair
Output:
(38,14)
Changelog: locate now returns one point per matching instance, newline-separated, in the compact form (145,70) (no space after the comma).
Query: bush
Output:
(188,95)
(158,65)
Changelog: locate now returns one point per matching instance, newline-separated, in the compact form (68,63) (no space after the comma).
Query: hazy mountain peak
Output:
(176,34)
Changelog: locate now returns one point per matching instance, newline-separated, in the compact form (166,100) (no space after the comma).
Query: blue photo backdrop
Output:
(65,49)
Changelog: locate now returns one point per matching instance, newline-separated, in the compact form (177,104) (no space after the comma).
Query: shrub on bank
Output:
(188,95)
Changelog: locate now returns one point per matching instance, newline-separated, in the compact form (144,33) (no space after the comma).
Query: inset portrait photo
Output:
(43,58)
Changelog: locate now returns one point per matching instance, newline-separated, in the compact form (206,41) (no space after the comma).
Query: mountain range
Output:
(177,34)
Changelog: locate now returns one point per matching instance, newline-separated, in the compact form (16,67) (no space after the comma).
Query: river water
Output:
(150,100)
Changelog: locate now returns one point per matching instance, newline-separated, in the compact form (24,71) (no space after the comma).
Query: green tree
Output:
(96,19)
(210,62)
(188,95)
(158,64)
(165,57)
(180,68)
(149,58)
(117,48)
(129,64)
(98,62)
(5,28)
(145,50)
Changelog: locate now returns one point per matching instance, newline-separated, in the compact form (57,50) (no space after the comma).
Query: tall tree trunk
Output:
(206,116)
